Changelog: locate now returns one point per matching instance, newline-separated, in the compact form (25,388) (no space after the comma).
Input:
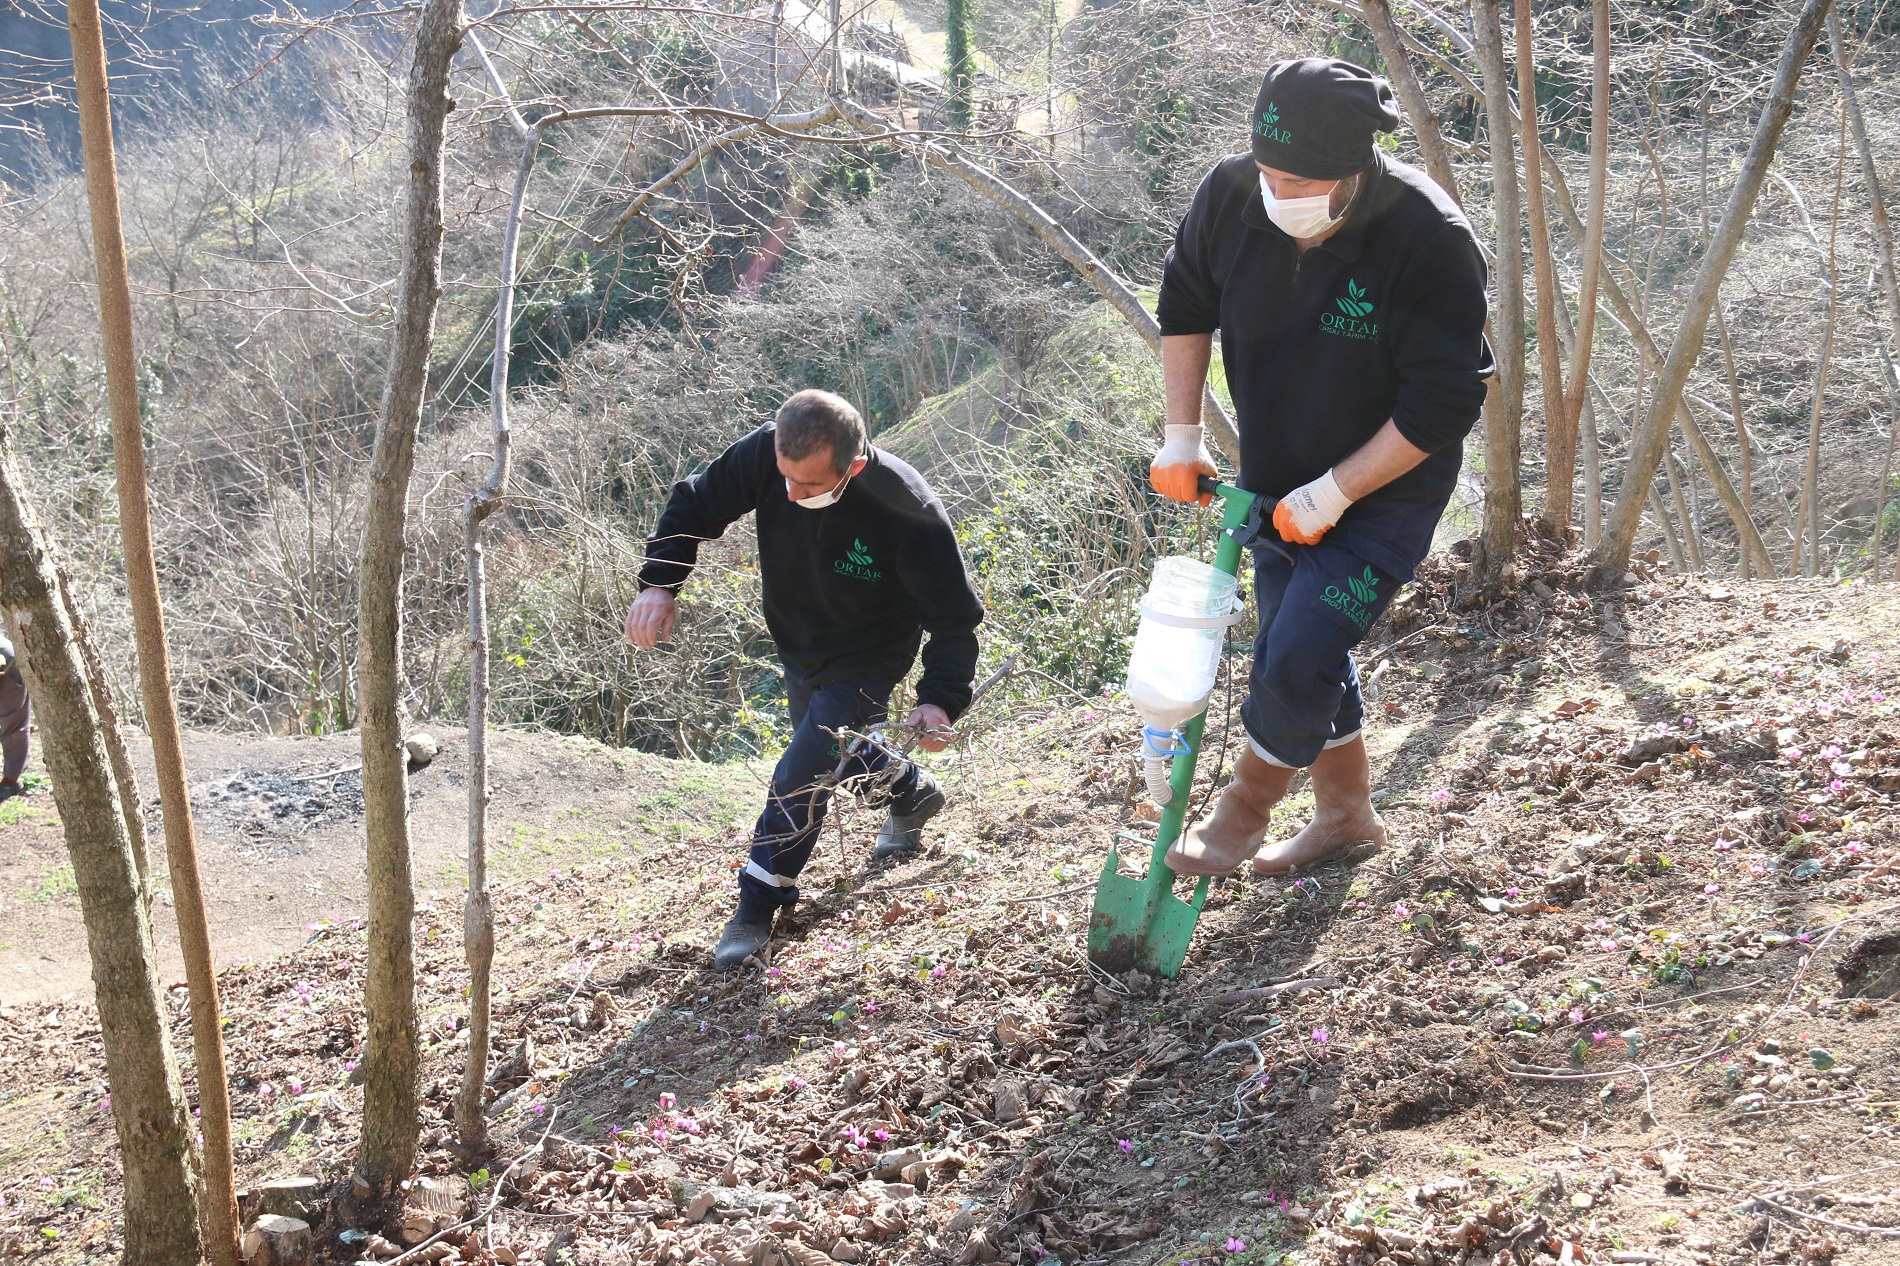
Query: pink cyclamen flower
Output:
(667,1101)
(1576,1015)
(1127,1145)
(1791,753)
(1513,891)
(1836,787)
(1831,752)
(773,973)
(1878,696)
(938,972)
(1600,1036)
(1610,946)
(296,1085)
(1235,1244)
(1723,845)
(870,1007)
(1401,910)
(1756,870)
(881,1135)
(1709,890)
(1321,1036)
(1441,796)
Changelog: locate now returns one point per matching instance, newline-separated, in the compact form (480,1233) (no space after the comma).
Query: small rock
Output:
(1652,746)
(421,748)
(891,1165)
(1009,1099)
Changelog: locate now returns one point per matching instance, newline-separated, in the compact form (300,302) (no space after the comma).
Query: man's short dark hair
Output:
(812,421)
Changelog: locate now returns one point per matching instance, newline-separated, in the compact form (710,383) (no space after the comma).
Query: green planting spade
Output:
(1139,922)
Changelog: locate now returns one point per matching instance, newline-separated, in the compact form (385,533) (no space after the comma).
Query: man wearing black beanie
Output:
(1349,293)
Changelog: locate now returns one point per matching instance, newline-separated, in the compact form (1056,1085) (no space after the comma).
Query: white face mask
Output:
(1300,217)
(823,499)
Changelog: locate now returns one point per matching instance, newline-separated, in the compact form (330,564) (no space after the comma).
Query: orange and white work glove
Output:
(1176,470)
(1309,511)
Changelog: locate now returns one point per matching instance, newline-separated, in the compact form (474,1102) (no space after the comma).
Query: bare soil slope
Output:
(1622,990)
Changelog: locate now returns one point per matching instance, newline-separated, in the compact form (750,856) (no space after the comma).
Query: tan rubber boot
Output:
(1219,843)
(1343,816)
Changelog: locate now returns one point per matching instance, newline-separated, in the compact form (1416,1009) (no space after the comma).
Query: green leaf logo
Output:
(1354,302)
(1365,588)
(858,554)
(1272,115)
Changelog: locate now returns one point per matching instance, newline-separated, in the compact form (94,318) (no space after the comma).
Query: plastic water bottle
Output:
(1184,620)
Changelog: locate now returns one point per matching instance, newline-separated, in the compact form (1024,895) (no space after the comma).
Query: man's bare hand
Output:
(932,725)
(651,618)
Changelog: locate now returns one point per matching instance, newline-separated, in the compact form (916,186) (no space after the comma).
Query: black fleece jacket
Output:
(1383,320)
(849,589)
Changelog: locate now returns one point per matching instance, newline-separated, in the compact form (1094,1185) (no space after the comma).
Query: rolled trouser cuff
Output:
(1342,740)
(1260,750)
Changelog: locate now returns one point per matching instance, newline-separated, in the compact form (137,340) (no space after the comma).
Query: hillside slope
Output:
(1618,992)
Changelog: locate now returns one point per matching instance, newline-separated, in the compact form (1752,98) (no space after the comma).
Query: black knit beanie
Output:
(1315,117)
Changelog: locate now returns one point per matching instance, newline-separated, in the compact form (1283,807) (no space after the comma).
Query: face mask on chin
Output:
(1300,217)
(823,499)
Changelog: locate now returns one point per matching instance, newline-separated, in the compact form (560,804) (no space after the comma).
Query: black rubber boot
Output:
(745,936)
(903,833)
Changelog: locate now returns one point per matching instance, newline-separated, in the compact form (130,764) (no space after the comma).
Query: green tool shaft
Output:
(1235,504)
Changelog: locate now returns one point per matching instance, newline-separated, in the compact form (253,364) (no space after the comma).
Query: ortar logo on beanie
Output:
(1315,117)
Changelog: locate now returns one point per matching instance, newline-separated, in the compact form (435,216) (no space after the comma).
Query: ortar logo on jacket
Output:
(857,563)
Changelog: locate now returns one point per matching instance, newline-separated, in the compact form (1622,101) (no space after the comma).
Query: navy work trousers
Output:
(787,831)
(1316,602)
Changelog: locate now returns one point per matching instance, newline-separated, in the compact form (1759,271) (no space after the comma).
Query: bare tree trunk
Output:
(1659,510)
(1883,239)
(1560,442)
(1377,15)
(148,1097)
(1652,436)
(390,1121)
(1576,398)
(1810,518)
(148,623)
(1592,475)
(1870,171)
(1503,493)
(1691,532)
(1652,356)
(478,913)
(1886,465)
(839,85)
(1747,478)
(1746,564)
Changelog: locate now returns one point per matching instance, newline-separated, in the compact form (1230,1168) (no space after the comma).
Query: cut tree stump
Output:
(275,1240)
(300,1198)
